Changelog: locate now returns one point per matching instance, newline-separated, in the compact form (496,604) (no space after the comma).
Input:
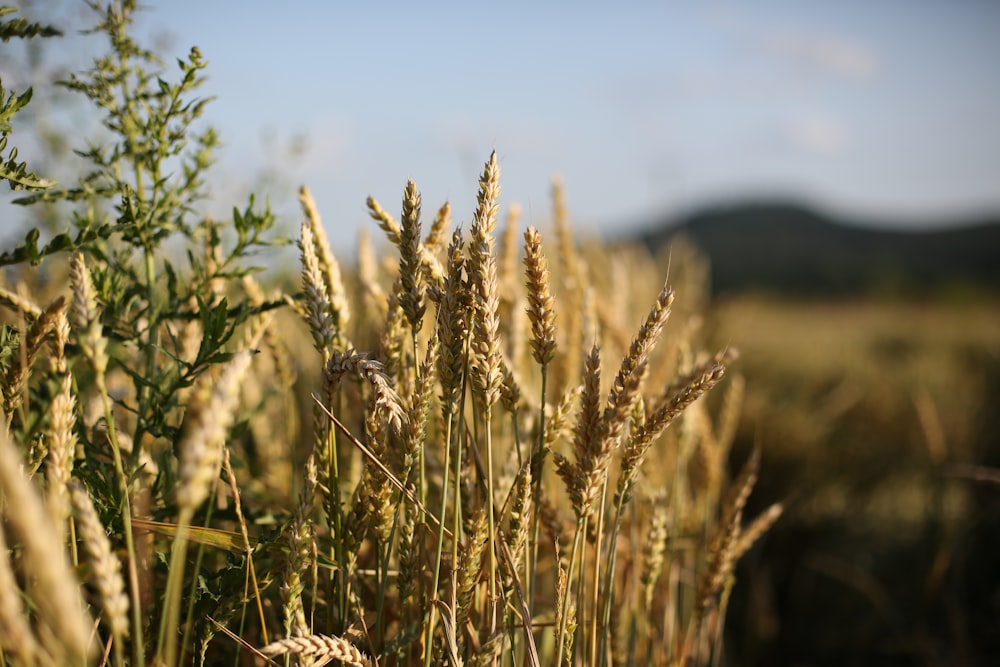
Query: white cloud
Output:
(834,54)
(814,47)
(818,133)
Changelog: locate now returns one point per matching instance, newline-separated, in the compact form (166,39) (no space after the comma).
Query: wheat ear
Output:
(16,377)
(62,439)
(439,228)
(319,312)
(749,535)
(487,374)
(394,232)
(685,392)
(541,305)
(626,383)
(210,415)
(319,646)
(482,254)
(63,624)
(410,275)
(328,264)
(107,569)
(16,638)
(571,285)
(386,399)
(20,304)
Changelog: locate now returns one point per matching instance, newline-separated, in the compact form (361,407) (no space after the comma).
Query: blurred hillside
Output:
(790,249)
(878,424)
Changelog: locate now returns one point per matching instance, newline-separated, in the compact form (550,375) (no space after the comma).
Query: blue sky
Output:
(884,109)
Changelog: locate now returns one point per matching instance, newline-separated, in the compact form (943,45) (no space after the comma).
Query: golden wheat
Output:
(420,514)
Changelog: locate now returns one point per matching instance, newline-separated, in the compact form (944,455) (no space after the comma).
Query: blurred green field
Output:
(877,420)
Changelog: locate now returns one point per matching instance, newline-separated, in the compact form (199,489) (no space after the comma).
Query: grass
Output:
(878,418)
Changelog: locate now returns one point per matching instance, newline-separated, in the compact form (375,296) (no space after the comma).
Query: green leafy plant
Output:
(16,173)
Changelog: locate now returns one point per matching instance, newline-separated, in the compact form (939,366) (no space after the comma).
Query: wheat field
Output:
(458,481)
(465,444)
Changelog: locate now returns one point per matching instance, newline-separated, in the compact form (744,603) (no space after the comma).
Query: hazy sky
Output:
(643,108)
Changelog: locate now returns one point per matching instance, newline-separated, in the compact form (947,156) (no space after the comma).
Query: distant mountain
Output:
(792,249)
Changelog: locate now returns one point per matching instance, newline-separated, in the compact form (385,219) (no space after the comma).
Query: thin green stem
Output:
(609,583)
(192,595)
(428,643)
(166,645)
(335,517)
(536,481)
(126,514)
(492,593)
(581,529)
(592,644)
(382,568)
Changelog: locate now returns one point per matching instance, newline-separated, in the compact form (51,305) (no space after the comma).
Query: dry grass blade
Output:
(975,473)
(237,639)
(450,644)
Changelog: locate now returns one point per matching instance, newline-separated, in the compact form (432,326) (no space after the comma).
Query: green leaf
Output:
(30,252)
(22,28)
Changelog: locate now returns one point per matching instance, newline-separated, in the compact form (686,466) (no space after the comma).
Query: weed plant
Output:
(448,474)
